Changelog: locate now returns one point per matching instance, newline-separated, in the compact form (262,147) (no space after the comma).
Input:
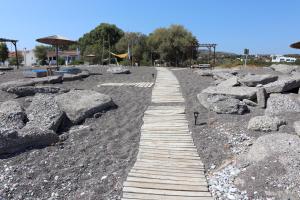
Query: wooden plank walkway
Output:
(168,166)
(137,84)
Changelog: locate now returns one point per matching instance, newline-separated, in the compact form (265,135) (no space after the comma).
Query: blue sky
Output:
(263,26)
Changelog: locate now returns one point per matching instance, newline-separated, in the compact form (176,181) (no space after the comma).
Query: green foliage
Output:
(229,62)
(3,52)
(297,62)
(13,60)
(174,45)
(61,61)
(103,35)
(77,62)
(258,63)
(40,52)
(137,43)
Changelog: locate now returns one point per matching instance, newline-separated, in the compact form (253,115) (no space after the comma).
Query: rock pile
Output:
(28,87)
(265,123)
(38,125)
(222,104)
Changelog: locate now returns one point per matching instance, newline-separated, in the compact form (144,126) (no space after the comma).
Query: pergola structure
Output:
(14,42)
(210,47)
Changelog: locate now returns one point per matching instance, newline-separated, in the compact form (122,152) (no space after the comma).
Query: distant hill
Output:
(218,53)
(293,55)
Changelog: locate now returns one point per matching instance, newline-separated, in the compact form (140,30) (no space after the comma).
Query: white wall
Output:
(29,58)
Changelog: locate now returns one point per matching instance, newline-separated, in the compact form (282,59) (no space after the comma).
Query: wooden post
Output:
(214,56)
(57,56)
(102,50)
(109,56)
(16,50)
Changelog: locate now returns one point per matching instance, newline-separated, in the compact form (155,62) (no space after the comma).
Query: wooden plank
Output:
(166,192)
(167,166)
(173,162)
(165,156)
(169,153)
(172,174)
(167,186)
(169,149)
(178,170)
(165,181)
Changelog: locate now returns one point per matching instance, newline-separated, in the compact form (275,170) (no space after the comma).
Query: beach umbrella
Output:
(56,41)
(296,45)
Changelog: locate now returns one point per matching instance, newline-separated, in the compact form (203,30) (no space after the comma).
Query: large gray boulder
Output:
(12,141)
(282,104)
(48,80)
(280,145)
(282,85)
(32,90)
(118,70)
(84,74)
(222,104)
(44,113)
(71,77)
(297,127)
(18,83)
(80,104)
(223,75)
(253,80)
(286,69)
(206,72)
(234,92)
(12,115)
(265,123)
(231,82)
(261,96)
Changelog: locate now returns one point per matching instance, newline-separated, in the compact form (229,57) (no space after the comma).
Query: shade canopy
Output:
(56,40)
(296,45)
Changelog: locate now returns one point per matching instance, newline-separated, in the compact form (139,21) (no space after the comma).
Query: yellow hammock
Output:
(124,55)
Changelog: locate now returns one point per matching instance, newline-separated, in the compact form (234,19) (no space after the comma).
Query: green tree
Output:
(3,52)
(137,43)
(175,45)
(40,52)
(105,35)
(13,60)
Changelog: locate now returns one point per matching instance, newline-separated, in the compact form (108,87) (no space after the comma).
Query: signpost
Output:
(246,53)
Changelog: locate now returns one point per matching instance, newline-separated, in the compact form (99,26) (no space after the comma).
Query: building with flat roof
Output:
(281,58)
(68,56)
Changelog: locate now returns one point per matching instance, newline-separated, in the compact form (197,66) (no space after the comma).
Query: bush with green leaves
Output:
(40,53)
(13,60)
(3,52)
(76,62)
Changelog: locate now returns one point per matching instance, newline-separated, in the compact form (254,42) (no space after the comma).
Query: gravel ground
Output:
(93,159)
(222,138)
